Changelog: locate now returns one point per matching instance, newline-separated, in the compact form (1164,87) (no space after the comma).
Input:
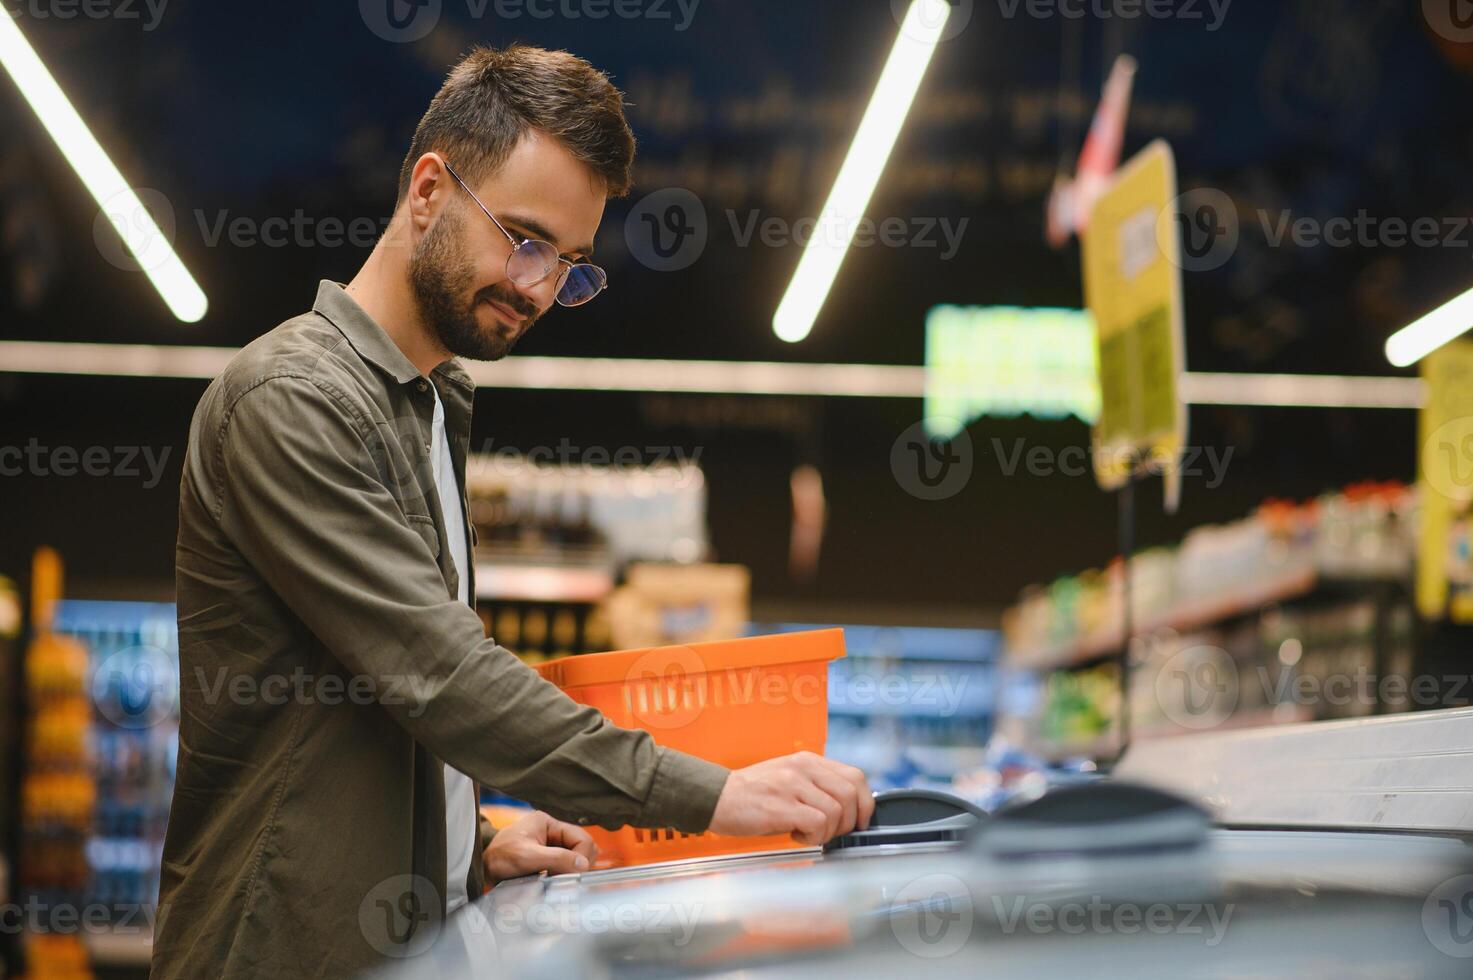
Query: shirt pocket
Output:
(426,528)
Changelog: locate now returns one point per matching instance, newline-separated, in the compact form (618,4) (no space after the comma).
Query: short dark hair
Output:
(494,96)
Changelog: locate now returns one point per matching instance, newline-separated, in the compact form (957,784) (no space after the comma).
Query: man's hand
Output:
(536,843)
(812,798)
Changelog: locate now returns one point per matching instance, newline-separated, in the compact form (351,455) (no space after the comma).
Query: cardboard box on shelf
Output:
(664,604)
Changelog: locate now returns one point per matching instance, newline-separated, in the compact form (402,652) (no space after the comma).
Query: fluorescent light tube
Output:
(1418,339)
(140,234)
(924,23)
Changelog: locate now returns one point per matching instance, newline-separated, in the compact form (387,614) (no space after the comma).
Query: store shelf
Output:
(1191,615)
(542,583)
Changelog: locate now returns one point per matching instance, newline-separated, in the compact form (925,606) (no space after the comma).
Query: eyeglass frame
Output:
(517,246)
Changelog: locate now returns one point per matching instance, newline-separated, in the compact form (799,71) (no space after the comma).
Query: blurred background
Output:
(638,503)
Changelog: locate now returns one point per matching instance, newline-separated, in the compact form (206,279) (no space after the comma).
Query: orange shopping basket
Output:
(732,702)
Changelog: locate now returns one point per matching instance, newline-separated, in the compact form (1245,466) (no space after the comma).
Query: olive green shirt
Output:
(328,672)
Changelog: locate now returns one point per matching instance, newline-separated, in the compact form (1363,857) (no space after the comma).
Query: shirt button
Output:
(423,386)
(428,449)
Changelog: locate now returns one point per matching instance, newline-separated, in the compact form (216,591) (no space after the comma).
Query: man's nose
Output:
(541,294)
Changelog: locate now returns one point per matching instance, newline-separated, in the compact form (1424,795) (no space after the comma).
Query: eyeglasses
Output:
(532,260)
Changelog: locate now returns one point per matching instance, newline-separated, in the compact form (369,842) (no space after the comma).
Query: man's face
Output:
(458,269)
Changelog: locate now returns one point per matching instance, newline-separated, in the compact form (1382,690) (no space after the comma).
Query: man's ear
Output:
(428,190)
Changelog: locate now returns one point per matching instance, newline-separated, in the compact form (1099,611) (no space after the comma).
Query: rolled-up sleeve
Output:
(299,495)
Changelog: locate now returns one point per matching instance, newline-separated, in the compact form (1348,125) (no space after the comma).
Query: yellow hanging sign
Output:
(1132,286)
(1445,485)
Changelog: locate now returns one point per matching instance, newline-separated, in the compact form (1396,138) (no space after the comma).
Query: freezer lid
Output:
(844,914)
(1396,772)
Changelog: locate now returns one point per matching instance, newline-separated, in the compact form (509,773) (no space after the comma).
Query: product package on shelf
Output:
(552,541)
(538,631)
(665,604)
(58,788)
(572,514)
(1365,533)
(101,749)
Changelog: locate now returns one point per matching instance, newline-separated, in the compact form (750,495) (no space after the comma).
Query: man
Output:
(339,701)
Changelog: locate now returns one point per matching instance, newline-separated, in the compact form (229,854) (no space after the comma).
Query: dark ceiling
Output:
(301,112)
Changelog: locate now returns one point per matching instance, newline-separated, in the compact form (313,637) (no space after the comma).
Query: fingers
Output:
(841,793)
(813,796)
(865,795)
(555,860)
(810,825)
(572,837)
(538,842)
(844,784)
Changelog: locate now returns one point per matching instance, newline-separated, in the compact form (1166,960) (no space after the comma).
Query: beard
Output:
(440,275)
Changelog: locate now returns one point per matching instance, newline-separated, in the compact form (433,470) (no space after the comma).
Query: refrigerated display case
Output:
(1134,875)
(100,767)
(909,705)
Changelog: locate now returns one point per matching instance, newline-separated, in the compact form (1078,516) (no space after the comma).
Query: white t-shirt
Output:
(460,792)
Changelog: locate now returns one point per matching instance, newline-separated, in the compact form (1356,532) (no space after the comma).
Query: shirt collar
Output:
(455,373)
(366,336)
(373,345)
